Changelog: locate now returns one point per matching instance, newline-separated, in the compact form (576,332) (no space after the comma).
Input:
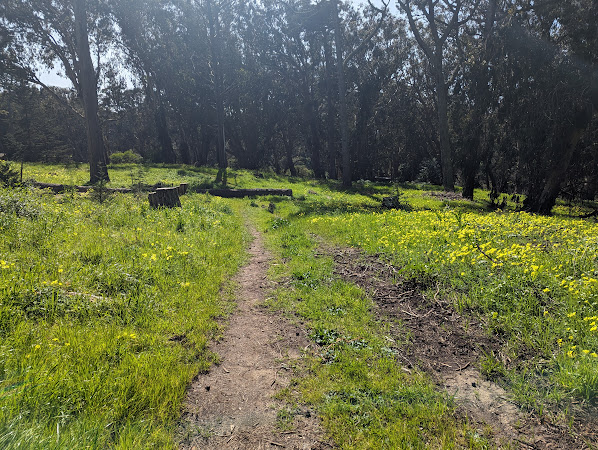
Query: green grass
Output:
(106,309)
(105,315)
(365,398)
(532,279)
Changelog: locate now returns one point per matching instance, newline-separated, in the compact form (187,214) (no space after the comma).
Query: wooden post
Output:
(167,197)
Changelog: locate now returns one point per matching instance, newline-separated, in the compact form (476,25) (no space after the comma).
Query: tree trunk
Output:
(240,193)
(342,94)
(205,139)
(313,139)
(468,184)
(165,197)
(167,154)
(330,114)
(98,170)
(545,201)
(288,146)
(185,153)
(214,24)
(364,154)
(446,157)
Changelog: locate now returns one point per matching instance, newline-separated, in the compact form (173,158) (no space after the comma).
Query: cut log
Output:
(239,193)
(165,197)
(57,188)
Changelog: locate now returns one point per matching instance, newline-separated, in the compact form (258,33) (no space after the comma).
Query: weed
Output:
(284,419)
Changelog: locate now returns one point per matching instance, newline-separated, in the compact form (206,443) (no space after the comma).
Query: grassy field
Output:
(105,313)
(532,279)
(106,308)
(366,399)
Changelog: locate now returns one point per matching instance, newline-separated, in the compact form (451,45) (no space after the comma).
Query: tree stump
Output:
(183,188)
(166,197)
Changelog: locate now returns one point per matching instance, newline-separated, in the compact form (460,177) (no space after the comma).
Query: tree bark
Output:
(545,201)
(98,170)
(165,197)
(468,184)
(240,193)
(446,156)
(314,137)
(434,53)
(214,24)
(330,113)
(167,154)
(288,146)
(205,139)
(342,94)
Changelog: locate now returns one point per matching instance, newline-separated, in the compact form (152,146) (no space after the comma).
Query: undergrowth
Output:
(106,308)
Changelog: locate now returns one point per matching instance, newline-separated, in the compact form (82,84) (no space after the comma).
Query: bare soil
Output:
(232,406)
(449,347)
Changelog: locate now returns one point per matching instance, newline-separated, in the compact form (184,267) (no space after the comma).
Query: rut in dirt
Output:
(232,407)
(449,348)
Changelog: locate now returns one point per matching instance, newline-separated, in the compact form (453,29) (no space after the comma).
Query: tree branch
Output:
(406,6)
(370,35)
(33,78)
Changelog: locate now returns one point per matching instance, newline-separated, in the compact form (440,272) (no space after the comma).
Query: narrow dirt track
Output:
(232,407)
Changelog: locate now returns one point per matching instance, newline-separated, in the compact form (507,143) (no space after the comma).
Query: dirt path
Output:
(232,407)
(449,347)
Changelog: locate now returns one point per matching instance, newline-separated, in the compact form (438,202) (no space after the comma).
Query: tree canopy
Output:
(479,93)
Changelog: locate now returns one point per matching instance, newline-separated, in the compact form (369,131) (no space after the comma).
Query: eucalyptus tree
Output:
(342,59)
(156,56)
(568,31)
(35,128)
(65,32)
(286,41)
(526,98)
(473,110)
(374,79)
(433,23)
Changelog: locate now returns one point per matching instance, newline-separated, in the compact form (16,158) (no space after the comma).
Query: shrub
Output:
(126,157)
(8,177)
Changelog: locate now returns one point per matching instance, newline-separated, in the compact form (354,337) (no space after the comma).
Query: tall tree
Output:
(442,20)
(60,31)
(571,29)
(341,62)
(213,15)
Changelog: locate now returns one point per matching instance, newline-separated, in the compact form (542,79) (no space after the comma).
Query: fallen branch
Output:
(57,188)
(240,193)
(464,367)
(484,253)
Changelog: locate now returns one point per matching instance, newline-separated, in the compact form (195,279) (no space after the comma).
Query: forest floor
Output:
(234,406)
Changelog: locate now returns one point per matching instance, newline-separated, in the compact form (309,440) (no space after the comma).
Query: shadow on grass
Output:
(333,207)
